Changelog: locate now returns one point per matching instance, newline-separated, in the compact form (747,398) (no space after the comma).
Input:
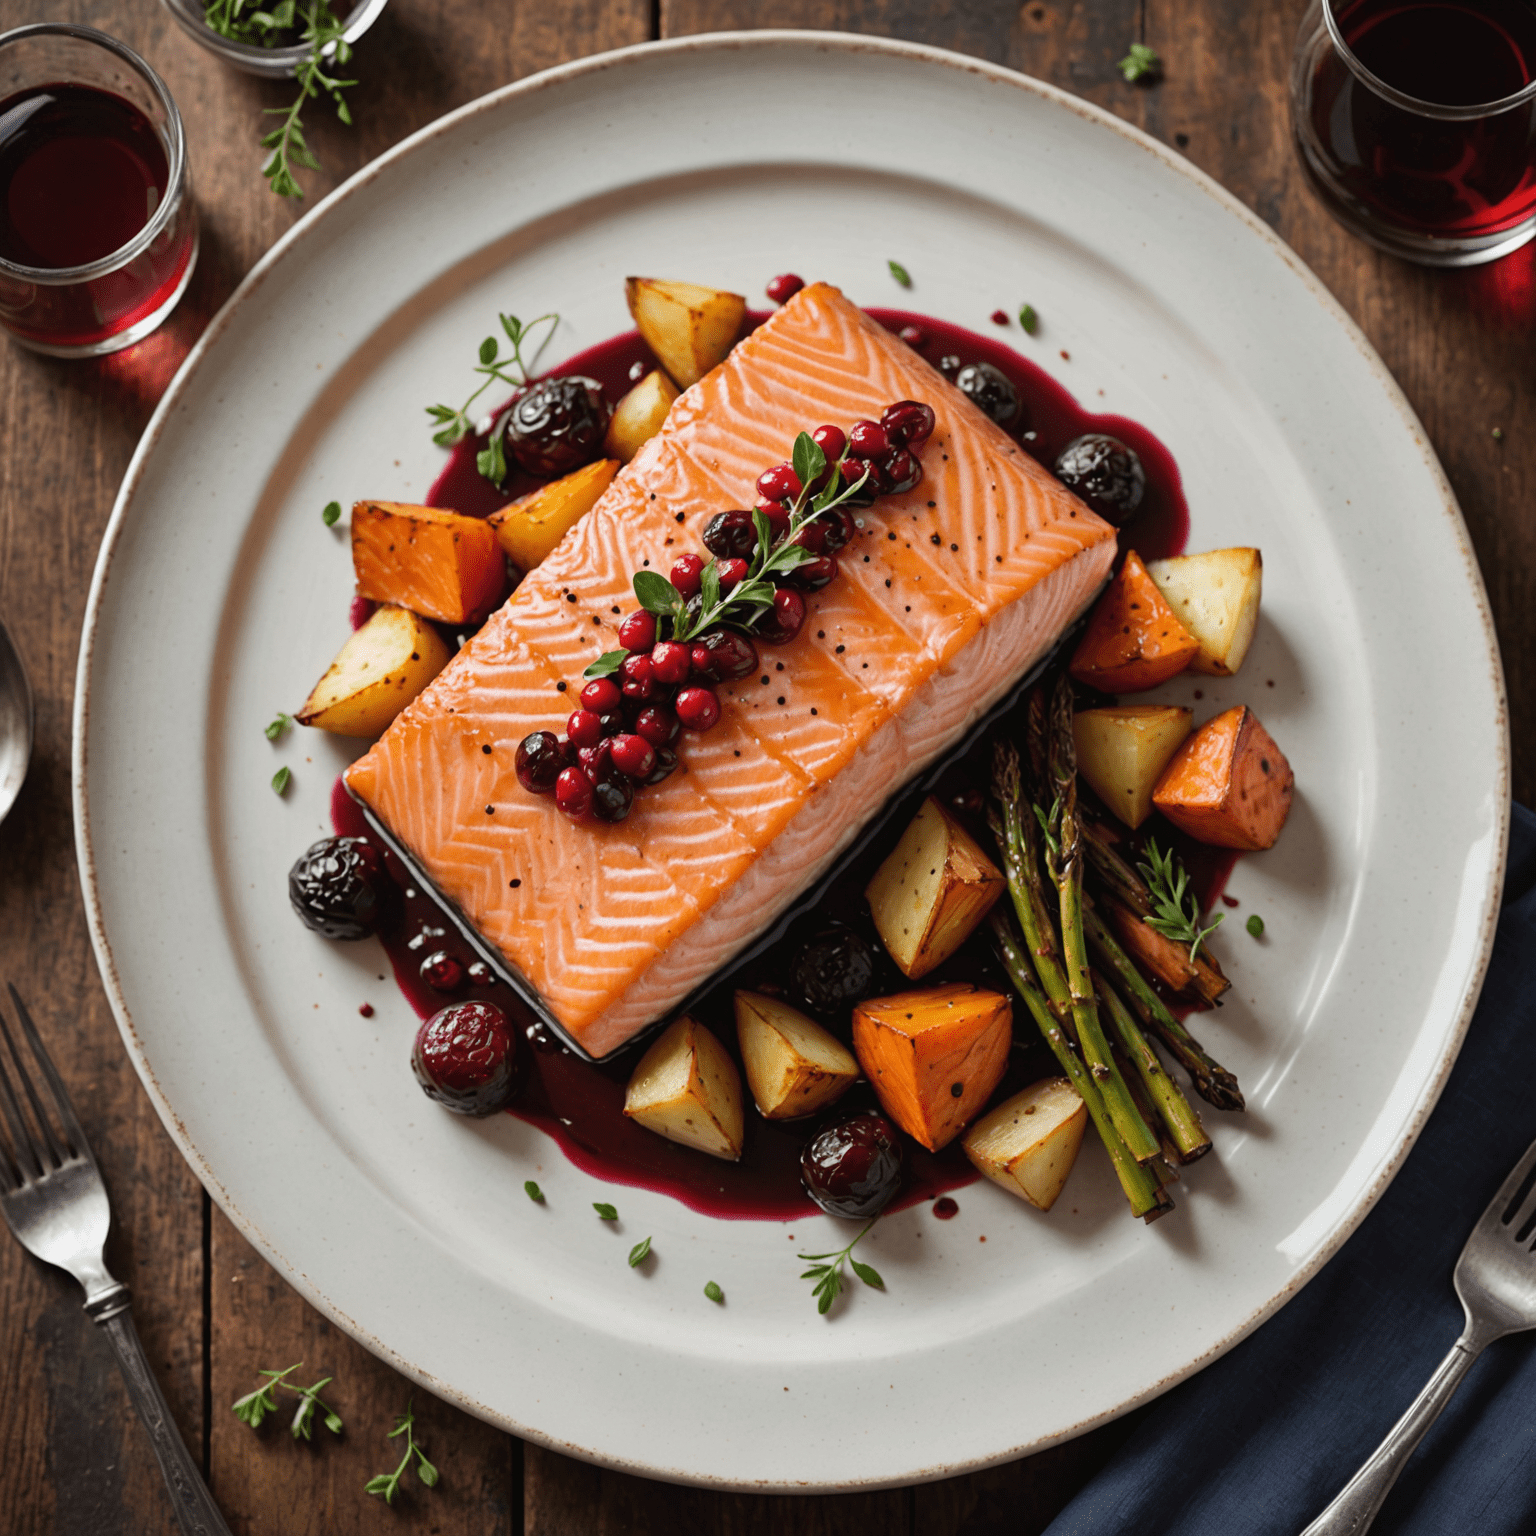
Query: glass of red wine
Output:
(98,234)
(1416,121)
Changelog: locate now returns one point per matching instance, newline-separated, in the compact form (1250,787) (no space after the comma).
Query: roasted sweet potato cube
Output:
(530,527)
(1134,640)
(439,564)
(1229,784)
(932,891)
(933,1057)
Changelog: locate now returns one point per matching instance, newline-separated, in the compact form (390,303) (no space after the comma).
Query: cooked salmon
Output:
(948,593)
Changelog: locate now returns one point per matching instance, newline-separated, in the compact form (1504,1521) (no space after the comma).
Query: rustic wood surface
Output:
(211,1312)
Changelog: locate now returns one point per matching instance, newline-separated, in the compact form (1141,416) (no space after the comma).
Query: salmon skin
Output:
(947,594)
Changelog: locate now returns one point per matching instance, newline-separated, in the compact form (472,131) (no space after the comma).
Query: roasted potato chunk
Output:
(794,1067)
(690,329)
(638,417)
(1028,1144)
(530,527)
(381,668)
(1229,784)
(932,891)
(687,1088)
(933,1057)
(1122,752)
(439,564)
(1215,596)
(1133,641)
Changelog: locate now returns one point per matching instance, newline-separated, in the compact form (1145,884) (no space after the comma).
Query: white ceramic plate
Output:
(219,595)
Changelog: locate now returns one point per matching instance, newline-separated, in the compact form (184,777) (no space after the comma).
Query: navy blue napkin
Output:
(1258,1443)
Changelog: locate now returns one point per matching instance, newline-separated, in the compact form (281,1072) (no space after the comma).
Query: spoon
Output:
(15,722)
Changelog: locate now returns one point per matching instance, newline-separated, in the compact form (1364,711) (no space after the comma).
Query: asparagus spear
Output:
(1212,1081)
(1177,1115)
(1067,869)
(1141,1185)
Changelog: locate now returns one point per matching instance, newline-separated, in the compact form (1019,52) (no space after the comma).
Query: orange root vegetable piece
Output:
(439,564)
(1134,640)
(530,527)
(1229,784)
(1203,982)
(933,1057)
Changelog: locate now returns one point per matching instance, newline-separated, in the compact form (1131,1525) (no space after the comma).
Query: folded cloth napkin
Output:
(1258,1443)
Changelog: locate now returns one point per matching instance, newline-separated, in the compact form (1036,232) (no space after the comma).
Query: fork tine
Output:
(1516,1191)
(48,1150)
(25,1159)
(74,1136)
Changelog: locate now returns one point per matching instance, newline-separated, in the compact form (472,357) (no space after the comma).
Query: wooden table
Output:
(211,1312)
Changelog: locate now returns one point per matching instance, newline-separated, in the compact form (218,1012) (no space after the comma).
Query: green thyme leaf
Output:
(867,1273)
(491,461)
(454,425)
(829,1276)
(331,514)
(387,1482)
(900,273)
(488,350)
(713,1291)
(605,1211)
(280,723)
(638,1252)
(1175,911)
(280,779)
(1029,319)
(532,1190)
(606,664)
(657,595)
(1255,926)
(1141,63)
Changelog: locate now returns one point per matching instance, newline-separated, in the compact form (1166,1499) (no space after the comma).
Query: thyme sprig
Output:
(387,1482)
(821,490)
(453,425)
(827,1271)
(254,1407)
(1168,882)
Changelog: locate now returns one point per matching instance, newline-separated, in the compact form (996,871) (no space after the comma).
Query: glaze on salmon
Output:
(948,593)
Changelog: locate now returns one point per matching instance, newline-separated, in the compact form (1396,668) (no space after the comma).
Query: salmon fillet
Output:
(944,598)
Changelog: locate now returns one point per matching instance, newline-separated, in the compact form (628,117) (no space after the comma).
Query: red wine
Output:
(1436,177)
(81,173)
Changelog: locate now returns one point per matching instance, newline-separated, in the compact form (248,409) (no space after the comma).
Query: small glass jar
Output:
(1416,123)
(269,63)
(116,298)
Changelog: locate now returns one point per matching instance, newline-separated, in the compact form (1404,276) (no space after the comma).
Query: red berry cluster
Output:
(662,681)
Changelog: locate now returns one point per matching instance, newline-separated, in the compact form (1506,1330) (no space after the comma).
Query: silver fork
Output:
(1496,1281)
(55,1203)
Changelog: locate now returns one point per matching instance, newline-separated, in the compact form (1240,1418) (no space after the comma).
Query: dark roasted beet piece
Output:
(340,888)
(1105,473)
(723,656)
(853,1167)
(540,757)
(992,391)
(467,1058)
(731,535)
(833,971)
(558,425)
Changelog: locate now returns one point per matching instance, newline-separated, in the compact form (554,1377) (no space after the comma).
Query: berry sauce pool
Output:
(579,1103)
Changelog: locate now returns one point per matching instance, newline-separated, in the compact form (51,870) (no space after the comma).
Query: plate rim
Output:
(725,42)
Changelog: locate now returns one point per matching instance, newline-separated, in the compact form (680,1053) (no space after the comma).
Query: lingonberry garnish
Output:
(638,631)
(341,889)
(903,469)
(868,440)
(698,708)
(812,575)
(558,425)
(832,441)
(783,621)
(730,535)
(732,574)
(657,724)
(723,656)
(666,763)
(784,287)
(467,1058)
(443,972)
(1105,473)
(584,729)
(639,680)
(908,423)
(780,483)
(686,573)
(913,335)
(601,695)
(634,756)
(612,798)
(540,757)
(573,793)
(593,761)
(670,663)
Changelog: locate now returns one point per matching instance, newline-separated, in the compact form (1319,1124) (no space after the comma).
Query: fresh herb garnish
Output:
(1141,63)
(713,1291)
(332,514)
(1256,926)
(821,489)
(829,1276)
(900,273)
(254,1407)
(1029,319)
(533,1191)
(1498,434)
(280,723)
(280,779)
(387,1482)
(243,21)
(1167,883)
(605,1211)
(453,425)
(638,1252)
